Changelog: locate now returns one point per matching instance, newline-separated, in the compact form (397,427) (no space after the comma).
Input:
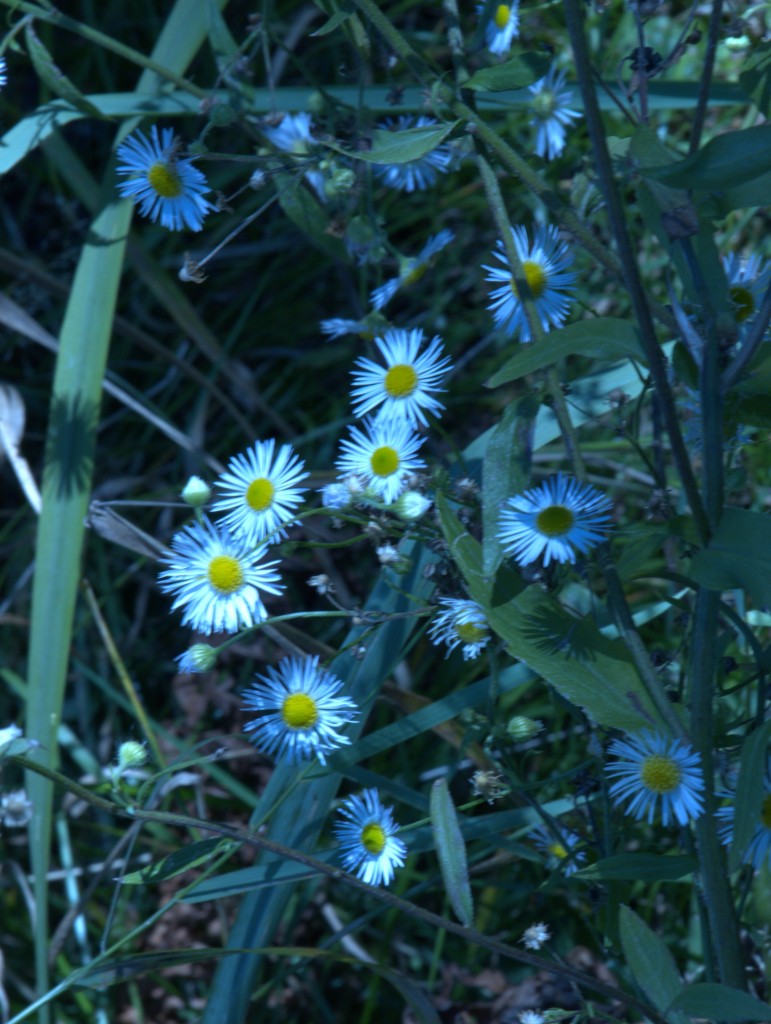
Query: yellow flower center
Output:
(373,838)
(414,275)
(259,494)
(557,850)
(660,774)
(384,461)
(544,104)
(554,521)
(469,633)
(744,302)
(536,278)
(299,711)
(225,574)
(401,380)
(501,16)
(164,180)
(765,812)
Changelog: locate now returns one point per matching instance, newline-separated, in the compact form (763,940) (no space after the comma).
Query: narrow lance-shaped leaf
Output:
(650,962)
(451,851)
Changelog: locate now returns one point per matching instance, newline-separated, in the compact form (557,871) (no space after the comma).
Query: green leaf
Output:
(755,79)
(402,147)
(645,867)
(53,77)
(749,792)
(181,860)
(727,160)
(738,555)
(221,40)
(517,73)
(650,962)
(711,1001)
(505,471)
(571,654)
(451,851)
(304,210)
(604,337)
(333,22)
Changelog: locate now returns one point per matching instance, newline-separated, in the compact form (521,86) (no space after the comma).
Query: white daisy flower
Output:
(217,578)
(556,520)
(414,175)
(302,711)
(544,265)
(747,282)
(406,385)
(460,622)
(412,269)
(293,135)
(559,847)
(531,1017)
(384,453)
(166,187)
(655,770)
(551,113)
(502,27)
(368,842)
(260,488)
(758,851)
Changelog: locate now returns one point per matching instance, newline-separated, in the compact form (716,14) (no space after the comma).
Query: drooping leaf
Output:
(184,859)
(711,1001)
(517,73)
(738,555)
(650,962)
(400,147)
(304,210)
(725,161)
(451,851)
(749,792)
(647,867)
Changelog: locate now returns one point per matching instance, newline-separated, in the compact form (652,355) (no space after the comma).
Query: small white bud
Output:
(196,492)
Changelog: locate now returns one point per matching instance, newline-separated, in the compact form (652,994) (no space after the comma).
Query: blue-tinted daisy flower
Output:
(412,269)
(560,848)
(758,850)
(556,520)
(259,491)
(415,175)
(460,622)
(551,113)
(544,265)
(384,454)
(3,72)
(166,187)
(747,282)
(502,27)
(655,772)
(335,495)
(405,386)
(368,842)
(294,135)
(302,711)
(217,578)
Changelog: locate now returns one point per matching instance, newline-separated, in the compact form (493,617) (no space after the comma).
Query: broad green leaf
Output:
(517,73)
(451,851)
(305,211)
(571,654)
(505,471)
(181,860)
(650,962)
(738,555)
(401,147)
(646,867)
(725,161)
(755,78)
(53,77)
(749,792)
(711,1001)
(606,338)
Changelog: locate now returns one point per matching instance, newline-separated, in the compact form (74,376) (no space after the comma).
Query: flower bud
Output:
(411,505)
(522,728)
(131,755)
(196,492)
(199,658)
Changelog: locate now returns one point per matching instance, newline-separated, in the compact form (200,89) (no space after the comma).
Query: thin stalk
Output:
(705,82)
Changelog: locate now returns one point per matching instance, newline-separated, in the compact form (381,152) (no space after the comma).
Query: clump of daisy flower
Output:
(302,711)
(748,280)
(758,851)
(166,187)
(556,520)
(369,845)
(535,936)
(655,772)
(384,454)
(460,622)
(551,113)
(544,266)
(406,384)
(411,269)
(560,847)
(217,579)
(414,175)
(259,491)
(293,134)
(502,27)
